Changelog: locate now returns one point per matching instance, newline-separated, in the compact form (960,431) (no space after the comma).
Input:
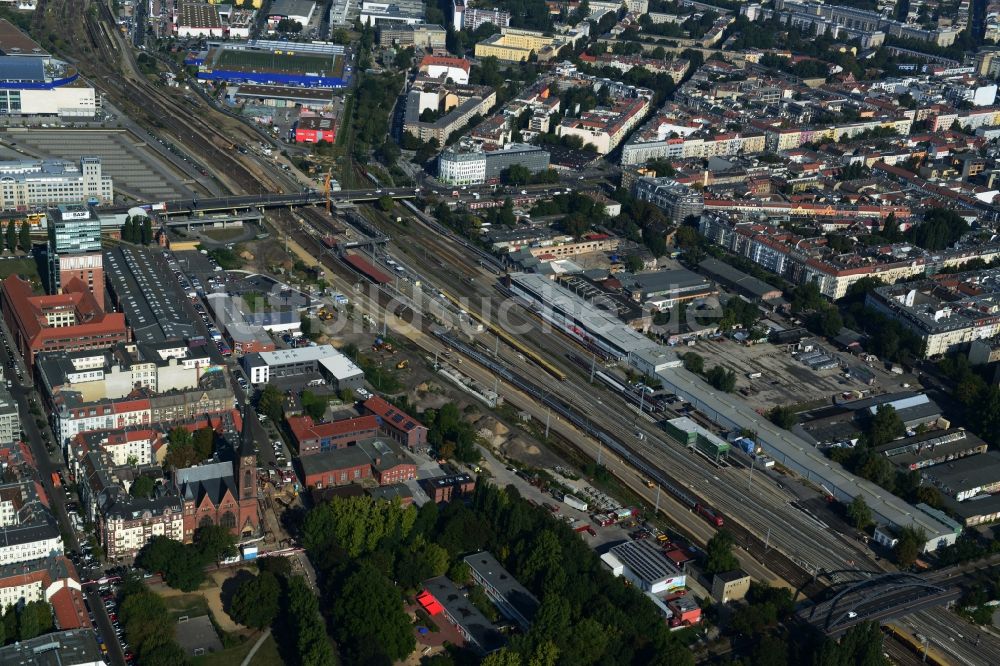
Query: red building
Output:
(376,459)
(313,129)
(314,437)
(444,488)
(397,424)
(70,321)
(336,467)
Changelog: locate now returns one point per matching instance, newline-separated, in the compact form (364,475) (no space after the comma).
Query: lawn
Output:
(223,235)
(191,605)
(24,266)
(267,655)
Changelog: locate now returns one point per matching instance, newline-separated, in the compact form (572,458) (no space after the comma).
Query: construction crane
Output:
(326,188)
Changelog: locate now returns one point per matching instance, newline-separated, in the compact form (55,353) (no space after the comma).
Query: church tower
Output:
(246,476)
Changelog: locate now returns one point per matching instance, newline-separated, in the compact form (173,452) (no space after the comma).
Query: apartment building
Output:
(605,128)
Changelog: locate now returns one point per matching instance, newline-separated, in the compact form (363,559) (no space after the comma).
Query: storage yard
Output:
(785,379)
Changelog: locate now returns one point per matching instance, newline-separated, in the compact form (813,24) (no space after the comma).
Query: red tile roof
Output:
(303,427)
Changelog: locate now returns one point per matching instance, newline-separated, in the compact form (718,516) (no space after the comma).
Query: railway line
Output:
(773,522)
(582,406)
(115,72)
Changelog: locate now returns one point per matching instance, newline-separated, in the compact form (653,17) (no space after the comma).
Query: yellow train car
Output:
(934,655)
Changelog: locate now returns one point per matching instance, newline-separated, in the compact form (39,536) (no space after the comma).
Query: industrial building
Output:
(730,586)
(748,286)
(151,302)
(39,86)
(967,477)
(313,129)
(299,11)
(457,167)
(34,183)
(666,288)
(643,563)
(377,459)
(312,437)
(396,423)
(199,19)
(934,447)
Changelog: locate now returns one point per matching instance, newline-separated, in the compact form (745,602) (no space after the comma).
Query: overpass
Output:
(875,598)
(265,201)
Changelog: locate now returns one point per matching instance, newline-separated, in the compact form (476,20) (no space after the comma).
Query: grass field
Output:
(261,61)
(267,655)
(25,267)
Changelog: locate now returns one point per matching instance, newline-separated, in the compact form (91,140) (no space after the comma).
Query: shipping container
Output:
(575,502)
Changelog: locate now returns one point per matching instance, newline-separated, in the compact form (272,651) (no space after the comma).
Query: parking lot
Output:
(137,171)
(783,380)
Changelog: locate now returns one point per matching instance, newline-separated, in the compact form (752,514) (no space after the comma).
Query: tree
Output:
(721,378)
(385,203)
(859,512)
(180,450)
(11,237)
(203,442)
(146,231)
(182,566)
(288,25)
(256,601)
(694,363)
(314,405)
(24,237)
(214,543)
(633,263)
(910,545)
(272,403)
(884,427)
(783,417)
(143,486)
(719,555)
(302,610)
(356,525)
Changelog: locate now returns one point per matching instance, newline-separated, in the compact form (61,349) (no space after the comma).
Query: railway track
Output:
(110,67)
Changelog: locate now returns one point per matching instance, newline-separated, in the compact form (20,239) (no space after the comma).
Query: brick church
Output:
(223,493)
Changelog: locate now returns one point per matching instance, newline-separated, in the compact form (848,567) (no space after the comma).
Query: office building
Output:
(10,420)
(71,321)
(677,201)
(441,597)
(380,12)
(457,167)
(323,362)
(418,35)
(34,183)
(517,45)
(75,247)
